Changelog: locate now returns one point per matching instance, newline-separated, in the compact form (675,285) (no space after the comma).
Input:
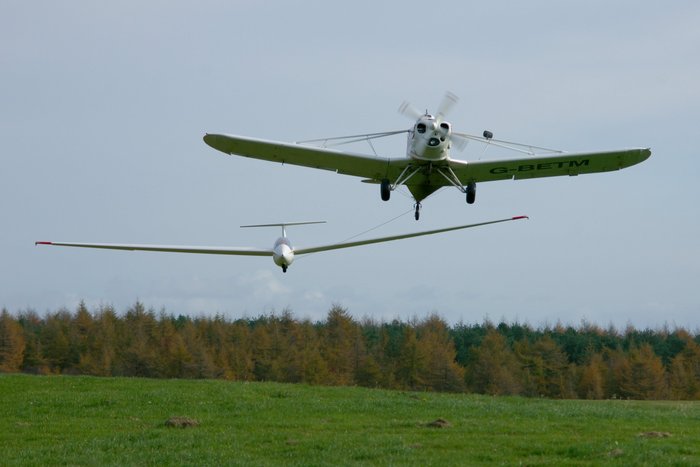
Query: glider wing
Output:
(336,246)
(209,250)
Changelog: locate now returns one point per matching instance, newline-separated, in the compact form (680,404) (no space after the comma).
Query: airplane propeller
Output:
(409,110)
(448,102)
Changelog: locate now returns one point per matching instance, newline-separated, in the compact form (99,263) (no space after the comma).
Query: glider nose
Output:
(283,256)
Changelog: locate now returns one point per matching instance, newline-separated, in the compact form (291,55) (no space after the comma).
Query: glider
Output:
(427,165)
(282,251)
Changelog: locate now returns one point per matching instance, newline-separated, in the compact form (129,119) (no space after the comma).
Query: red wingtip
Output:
(43,243)
(520,217)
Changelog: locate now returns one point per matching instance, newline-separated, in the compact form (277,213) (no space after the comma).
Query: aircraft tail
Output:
(284,225)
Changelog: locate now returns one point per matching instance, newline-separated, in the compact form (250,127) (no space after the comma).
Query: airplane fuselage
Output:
(282,253)
(429,140)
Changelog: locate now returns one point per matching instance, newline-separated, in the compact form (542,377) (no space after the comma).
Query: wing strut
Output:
(451,177)
(405,175)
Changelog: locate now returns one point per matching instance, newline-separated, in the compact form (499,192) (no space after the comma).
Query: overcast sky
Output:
(103,106)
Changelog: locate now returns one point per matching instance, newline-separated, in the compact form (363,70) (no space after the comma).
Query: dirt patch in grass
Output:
(655,434)
(181,422)
(439,423)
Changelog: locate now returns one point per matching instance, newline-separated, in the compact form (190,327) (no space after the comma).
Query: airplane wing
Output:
(359,165)
(336,246)
(547,166)
(209,250)
(378,168)
(217,250)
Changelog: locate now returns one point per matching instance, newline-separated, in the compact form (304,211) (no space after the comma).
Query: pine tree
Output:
(213,336)
(266,349)
(546,368)
(99,358)
(238,351)
(643,375)
(305,358)
(173,357)
(342,349)
(684,376)
(138,343)
(369,373)
(55,344)
(32,325)
(11,343)
(493,368)
(439,369)
(592,380)
(410,362)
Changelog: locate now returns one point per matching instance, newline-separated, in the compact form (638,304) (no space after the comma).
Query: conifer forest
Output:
(562,362)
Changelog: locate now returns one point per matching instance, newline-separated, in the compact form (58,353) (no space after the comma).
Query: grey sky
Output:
(103,107)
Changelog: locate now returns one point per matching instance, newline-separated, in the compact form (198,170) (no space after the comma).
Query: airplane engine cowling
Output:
(445,129)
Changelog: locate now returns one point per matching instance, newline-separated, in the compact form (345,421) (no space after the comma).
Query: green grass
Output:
(121,421)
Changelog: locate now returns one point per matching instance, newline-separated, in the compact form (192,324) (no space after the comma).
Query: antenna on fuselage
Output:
(283,225)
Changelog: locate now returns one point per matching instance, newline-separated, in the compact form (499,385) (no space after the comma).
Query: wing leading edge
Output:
(347,163)
(336,246)
(208,250)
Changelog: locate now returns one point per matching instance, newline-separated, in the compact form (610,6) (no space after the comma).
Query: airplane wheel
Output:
(385,190)
(284,268)
(417,215)
(471,193)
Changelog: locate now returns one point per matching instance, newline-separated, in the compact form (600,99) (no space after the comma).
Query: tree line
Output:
(585,362)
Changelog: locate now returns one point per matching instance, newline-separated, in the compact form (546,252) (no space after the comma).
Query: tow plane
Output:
(282,252)
(427,165)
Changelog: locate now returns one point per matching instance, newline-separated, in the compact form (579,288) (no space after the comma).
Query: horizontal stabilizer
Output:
(284,224)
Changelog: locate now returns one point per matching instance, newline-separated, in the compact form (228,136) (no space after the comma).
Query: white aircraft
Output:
(282,251)
(428,166)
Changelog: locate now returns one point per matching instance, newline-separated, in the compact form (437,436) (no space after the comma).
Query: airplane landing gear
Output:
(417,215)
(284,268)
(471,192)
(385,189)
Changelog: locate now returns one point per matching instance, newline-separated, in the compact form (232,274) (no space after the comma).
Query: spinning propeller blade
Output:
(410,111)
(446,105)
(448,102)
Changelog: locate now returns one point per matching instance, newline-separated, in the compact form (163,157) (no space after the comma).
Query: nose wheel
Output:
(417,215)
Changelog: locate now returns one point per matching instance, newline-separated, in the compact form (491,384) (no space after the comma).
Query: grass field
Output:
(122,421)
